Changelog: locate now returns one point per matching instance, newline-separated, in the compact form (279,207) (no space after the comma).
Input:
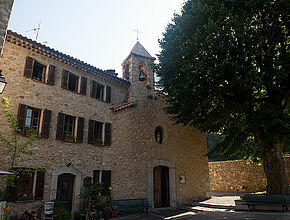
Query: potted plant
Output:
(30,132)
(98,142)
(114,211)
(69,138)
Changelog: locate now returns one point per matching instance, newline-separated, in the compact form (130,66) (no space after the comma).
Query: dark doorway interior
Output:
(161,186)
(65,185)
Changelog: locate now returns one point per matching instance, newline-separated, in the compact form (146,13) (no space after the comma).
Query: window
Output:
(72,82)
(29,120)
(95,133)
(28,184)
(69,125)
(98,91)
(32,119)
(67,130)
(103,176)
(36,70)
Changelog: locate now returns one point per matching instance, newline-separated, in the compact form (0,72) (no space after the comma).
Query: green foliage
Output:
(77,215)
(93,191)
(14,147)
(62,214)
(224,66)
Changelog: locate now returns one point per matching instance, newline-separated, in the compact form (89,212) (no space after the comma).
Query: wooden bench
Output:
(132,204)
(274,200)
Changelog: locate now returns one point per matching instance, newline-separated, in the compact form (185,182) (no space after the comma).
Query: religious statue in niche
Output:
(159,135)
(142,74)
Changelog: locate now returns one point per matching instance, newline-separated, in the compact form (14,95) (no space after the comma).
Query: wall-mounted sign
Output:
(182,179)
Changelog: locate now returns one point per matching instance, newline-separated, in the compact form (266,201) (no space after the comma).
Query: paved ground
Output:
(218,207)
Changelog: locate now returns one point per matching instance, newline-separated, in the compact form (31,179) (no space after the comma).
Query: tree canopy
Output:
(224,65)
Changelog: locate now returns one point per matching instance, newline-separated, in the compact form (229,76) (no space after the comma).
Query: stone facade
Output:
(239,176)
(5,11)
(134,152)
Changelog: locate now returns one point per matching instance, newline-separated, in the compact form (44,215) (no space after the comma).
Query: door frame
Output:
(172,184)
(76,188)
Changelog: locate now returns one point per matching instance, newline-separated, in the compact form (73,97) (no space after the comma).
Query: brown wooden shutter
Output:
(11,190)
(106,179)
(39,187)
(51,75)
(91,132)
(83,86)
(108,93)
(60,127)
(96,176)
(108,134)
(28,67)
(80,130)
(64,79)
(93,89)
(21,117)
(46,123)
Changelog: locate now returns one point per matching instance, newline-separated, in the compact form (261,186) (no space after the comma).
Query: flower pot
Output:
(114,213)
(69,139)
(98,143)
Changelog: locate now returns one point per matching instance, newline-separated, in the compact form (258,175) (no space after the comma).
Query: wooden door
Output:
(157,187)
(161,186)
(65,185)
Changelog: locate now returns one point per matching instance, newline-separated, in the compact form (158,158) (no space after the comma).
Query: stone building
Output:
(5,9)
(91,123)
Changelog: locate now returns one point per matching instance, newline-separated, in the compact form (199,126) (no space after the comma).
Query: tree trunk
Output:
(274,166)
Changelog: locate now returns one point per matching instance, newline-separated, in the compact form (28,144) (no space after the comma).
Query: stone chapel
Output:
(92,124)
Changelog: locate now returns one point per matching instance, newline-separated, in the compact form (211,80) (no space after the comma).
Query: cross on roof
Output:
(138,32)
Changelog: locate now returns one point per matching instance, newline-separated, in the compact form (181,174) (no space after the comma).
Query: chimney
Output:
(112,72)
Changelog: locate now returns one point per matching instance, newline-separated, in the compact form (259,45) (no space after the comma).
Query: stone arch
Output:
(77,184)
(172,184)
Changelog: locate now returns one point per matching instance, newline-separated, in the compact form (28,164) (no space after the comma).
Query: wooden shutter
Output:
(39,187)
(46,123)
(28,67)
(96,176)
(11,189)
(83,86)
(60,127)
(108,134)
(80,130)
(64,78)
(51,75)
(106,179)
(91,132)
(21,117)
(108,93)
(93,89)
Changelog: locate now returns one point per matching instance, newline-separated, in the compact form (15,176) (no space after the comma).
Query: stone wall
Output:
(239,176)
(5,11)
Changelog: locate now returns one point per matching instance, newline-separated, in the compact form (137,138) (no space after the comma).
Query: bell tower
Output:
(138,71)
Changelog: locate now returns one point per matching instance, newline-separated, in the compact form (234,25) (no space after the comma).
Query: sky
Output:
(99,32)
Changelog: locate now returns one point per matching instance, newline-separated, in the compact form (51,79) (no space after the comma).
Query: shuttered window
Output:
(108,134)
(98,91)
(84,83)
(95,134)
(22,188)
(80,131)
(29,121)
(108,93)
(70,81)
(36,70)
(105,179)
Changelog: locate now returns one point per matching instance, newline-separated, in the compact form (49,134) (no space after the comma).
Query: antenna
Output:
(138,32)
(35,30)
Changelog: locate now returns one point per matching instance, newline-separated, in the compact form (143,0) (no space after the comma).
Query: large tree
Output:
(224,65)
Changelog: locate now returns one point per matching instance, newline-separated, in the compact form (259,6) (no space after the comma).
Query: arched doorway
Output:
(161,186)
(65,188)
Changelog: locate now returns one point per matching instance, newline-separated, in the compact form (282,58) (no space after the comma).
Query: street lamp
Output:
(2,82)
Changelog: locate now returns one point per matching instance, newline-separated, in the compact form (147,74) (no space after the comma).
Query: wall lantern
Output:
(2,82)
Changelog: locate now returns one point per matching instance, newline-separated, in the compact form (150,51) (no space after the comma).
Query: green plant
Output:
(3,195)
(69,136)
(62,214)
(148,87)
(13,217)
(77,215)
(98,140)
(93,191)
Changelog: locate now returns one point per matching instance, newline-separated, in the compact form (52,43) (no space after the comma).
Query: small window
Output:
(95,135)
(103,176)
(73,82)
(69,126)
(38,71)
(98,130)
(100,92)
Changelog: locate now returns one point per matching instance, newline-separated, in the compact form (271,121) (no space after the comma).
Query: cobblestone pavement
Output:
(217,208)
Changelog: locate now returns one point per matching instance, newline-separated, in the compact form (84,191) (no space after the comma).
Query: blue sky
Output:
(99,32)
